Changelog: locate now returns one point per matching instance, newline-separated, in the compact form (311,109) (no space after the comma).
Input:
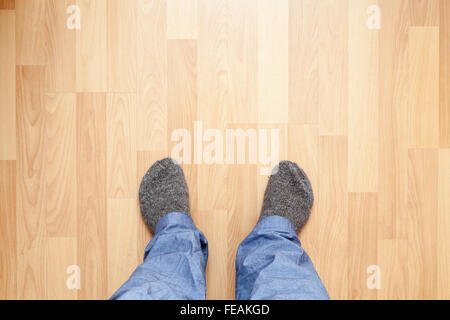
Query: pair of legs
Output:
(270,262)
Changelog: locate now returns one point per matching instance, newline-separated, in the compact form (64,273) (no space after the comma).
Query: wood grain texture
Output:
(31,183)
(443,225)
(121,30)
(61,166)
(7,4)
(333,67)
(30,32)
(92,48)
(182,106)
(423,109)
(91,195)
(333,214)
(362,243)
(121,145)
(362,100)
(60,48)
(424,12)
(304,61)
(8,241)
(122,256)
(151,75)
(273,61)
(392,255)
(7,86)
(392,119)
(422,223)
(61,253)
(213,68)
(242,53)
(444,74)
(182,89)
(182,19)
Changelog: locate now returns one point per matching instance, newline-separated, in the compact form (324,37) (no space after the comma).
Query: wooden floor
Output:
(85,112)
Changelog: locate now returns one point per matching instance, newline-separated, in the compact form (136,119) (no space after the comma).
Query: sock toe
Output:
(163,190)
(288,194)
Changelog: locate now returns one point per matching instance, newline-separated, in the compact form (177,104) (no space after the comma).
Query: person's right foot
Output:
(163,190)
(288,194)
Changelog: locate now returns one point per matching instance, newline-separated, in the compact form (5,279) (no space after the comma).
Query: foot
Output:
(288,194)
(163,190)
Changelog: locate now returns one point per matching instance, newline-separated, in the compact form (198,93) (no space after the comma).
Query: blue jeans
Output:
(270,264)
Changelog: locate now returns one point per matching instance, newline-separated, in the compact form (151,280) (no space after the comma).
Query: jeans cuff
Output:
(276,223)
(174,218)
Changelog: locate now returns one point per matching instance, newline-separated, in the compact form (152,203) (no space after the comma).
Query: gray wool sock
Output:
(288,194)
(163,190)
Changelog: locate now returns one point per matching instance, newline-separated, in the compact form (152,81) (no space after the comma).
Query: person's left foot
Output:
(288,194)
(163,190)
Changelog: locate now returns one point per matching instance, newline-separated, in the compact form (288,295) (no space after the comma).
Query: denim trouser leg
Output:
(271,264)
(174,263)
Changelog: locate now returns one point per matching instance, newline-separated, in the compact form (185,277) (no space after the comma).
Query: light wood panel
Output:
(181,19)
(31,183)
(59,48)
(7,4)
(392,119)
(7,86)
(333,67)
(61,253)
(91,194)
(242,61)
(61,166)
(182,96)
(91,47)
(121,30)
(273,61)
(423,109)
(443,225)
(122,255)
(8,242)
(84,114)
(121,145)
(362,245)
(332,210)
(392,255)
(151,58)
(422,223)
(444,74)
(30,32)
(424,12)
(304,61)
(363,93)
(213,69)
